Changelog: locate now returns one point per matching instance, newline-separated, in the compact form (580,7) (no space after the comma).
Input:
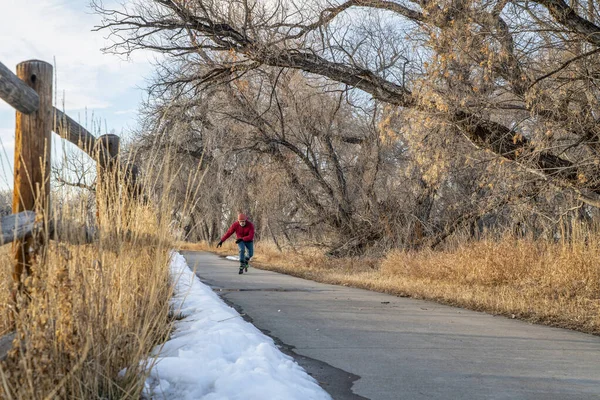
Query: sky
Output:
(88,82)
(213,354)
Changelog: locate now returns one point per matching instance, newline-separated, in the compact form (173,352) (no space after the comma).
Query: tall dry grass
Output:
(90,313)
(552,283)
(5,288)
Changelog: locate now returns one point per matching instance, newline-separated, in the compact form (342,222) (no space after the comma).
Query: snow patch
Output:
(214,354)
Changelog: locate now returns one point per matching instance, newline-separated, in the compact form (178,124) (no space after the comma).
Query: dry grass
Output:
(89,314)
(556,284)
(90,311)
(5,288)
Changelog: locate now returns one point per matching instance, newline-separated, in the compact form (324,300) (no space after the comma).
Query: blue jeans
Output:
(243,246)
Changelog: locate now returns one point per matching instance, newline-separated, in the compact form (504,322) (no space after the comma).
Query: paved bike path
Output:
(362,344)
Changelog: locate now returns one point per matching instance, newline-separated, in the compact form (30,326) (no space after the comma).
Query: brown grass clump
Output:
(550,283)
(91,313)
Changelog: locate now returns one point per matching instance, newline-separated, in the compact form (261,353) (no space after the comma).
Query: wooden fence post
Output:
(107,177)
(108,150)
(32,158)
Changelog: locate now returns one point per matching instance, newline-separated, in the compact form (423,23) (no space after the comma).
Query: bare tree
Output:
(368,136)
(500,73)
(5,202)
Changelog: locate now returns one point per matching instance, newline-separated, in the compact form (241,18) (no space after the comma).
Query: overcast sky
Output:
(60,32)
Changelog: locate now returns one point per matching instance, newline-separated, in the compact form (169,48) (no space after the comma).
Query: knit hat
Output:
(242,217)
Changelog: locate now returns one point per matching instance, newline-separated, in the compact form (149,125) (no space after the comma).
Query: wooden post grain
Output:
(107,178)
(32,158)
(16,93)
(108,150)
(70,130)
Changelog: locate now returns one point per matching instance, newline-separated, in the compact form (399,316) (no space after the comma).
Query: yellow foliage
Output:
(517,138)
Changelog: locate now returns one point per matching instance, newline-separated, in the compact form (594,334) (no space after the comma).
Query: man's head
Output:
(242,219)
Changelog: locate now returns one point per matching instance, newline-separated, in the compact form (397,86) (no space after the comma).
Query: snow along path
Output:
(214,354)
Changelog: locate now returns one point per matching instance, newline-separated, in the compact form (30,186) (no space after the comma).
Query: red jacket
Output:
(246,233)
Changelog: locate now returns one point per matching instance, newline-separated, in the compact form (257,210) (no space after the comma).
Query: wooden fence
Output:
(29,92)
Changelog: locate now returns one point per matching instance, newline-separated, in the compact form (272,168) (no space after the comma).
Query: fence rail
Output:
(16,226)
(16,93)
(26,100)
(70,130)
(29,92)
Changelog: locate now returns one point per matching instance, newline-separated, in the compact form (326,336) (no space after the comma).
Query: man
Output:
(244,232)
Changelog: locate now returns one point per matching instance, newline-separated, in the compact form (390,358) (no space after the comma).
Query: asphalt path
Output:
(360,344)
